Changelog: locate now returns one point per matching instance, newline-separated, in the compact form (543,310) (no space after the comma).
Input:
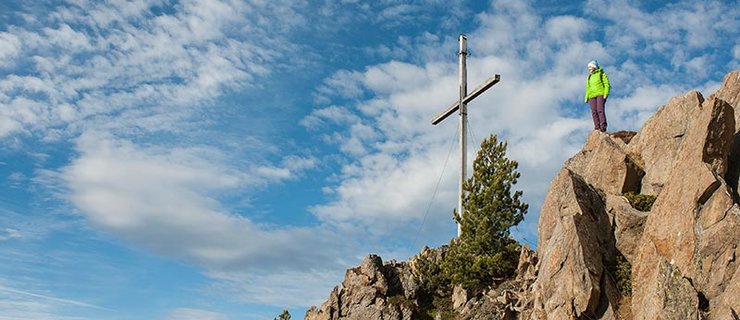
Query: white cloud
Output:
(343,83)
(549,144)
(23,304)
(382,190)
(393,77)
(5,289)
(332,114)
(103,15)
(566,29)
(397,12)
(21,111)
(388,15)
(165,200)
(291,168)
(10,46)
(282,289)
(67,38)
(103,61)
(9,233)
(18,225)
(13,307)
(195,314)
(691,25)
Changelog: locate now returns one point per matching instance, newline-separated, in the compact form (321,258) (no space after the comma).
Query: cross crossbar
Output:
(456,105)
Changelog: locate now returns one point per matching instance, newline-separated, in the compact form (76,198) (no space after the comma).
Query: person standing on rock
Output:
(597,90)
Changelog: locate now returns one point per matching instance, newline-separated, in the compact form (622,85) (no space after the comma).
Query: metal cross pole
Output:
(461,105)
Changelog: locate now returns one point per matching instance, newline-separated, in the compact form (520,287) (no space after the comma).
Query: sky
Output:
(224,159)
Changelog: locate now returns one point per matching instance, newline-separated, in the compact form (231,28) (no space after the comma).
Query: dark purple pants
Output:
(597,112)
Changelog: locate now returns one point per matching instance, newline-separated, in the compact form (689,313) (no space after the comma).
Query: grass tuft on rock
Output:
(642,202)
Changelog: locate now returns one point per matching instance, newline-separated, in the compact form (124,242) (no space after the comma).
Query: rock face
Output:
(692,206)
(371,291)
(575,237)
(661,136)
(694,226)
(627,224)
(389,291)
(683,252)
(730,93)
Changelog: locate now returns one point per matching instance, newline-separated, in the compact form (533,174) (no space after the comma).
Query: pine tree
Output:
(485,252)
(285,315)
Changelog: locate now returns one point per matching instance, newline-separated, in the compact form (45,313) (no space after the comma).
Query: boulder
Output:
(460,297)
(717,269)
(728,306)
(498,303)
(526,269)
(657,143)
(371,291)
(605,164)
(627,224)
(624,136)
(673,231)
(401,280)
(672,297)
(730,93)
(575,238)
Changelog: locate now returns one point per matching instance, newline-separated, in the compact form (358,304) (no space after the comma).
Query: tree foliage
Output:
(486,252)
(430,276)
(642,202)
(285,315)
(621,270)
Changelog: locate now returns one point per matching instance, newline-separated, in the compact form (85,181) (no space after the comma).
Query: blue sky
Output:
(223,159)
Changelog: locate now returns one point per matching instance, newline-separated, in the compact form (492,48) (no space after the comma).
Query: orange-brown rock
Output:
(574,237)
(627,225)
(730,93)
(366,293)
(695,196)
(657,143)
(683,252)
(604,162)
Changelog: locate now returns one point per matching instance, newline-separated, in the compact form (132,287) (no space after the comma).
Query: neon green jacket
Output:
(597,84)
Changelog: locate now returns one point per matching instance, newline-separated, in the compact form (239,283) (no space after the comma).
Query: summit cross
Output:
(462,105)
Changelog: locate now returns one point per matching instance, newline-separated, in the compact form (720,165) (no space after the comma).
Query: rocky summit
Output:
(641,225)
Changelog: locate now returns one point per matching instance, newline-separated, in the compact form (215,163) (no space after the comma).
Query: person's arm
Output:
(606,85)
